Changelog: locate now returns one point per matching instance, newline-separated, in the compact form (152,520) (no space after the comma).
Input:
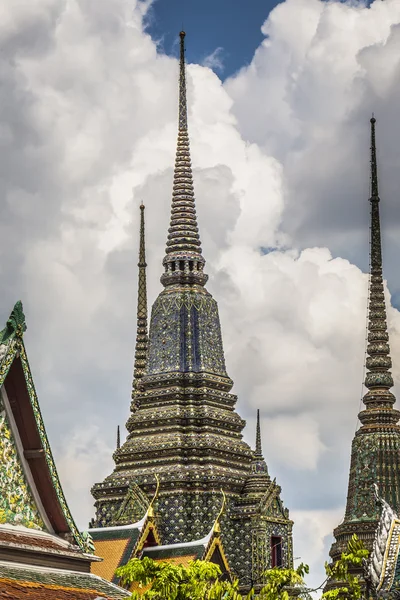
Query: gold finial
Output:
(150,510)
(217,526)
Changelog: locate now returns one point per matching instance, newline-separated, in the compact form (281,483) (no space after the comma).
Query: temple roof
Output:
(17,581)
(43,555)
(117,545)
(40,542)
(208,548)
(31,493)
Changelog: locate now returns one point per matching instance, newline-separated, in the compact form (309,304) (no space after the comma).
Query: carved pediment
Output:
(134,505)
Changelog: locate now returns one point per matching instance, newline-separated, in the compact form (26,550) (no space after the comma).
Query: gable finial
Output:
(15,326)
(150,510)
(142,331)
(217,527)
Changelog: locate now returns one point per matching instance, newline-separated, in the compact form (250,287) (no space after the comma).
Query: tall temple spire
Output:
(141,348)
(378,379)
(183,424)
(183,262)
(375,454)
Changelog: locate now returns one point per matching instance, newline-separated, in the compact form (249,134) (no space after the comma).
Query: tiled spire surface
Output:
(183,262)
(259,479)
(141,349)
(378,379)
(375,456)
(183,425)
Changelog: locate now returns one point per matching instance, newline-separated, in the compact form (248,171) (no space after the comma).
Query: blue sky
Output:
(233,25)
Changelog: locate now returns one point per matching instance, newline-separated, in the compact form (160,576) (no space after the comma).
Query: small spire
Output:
(118,438)
(182,85)
(374,168)
(142,332)
(183,262)
(258,452)
(378,379)
(259,479)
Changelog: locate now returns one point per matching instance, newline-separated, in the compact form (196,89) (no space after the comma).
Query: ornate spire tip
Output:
(258,435)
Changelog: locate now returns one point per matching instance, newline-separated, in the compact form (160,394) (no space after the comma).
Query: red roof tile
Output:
(39,541)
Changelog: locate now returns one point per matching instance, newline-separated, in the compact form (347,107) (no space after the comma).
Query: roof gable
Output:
(209,548)
(117,545)
(35,498)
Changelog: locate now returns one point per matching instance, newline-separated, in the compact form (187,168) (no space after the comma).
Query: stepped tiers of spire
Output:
(183,262)
(183,425)
(375,455)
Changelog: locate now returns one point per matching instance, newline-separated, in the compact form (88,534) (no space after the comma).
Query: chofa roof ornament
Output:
(15,326)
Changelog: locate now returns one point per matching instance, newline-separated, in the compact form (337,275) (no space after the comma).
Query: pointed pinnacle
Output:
(182,85)
(118,438)
(258,451)
(183,261)
(374,168)
(378,379)
(142,247)
(142,332)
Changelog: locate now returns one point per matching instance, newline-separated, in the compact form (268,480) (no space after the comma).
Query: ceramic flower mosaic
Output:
(17,506)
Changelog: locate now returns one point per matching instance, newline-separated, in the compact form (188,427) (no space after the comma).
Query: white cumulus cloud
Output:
(280,157)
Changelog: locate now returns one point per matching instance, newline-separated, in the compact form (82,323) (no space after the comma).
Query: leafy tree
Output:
(203,580)
(281,583)
(162,580)
(349,586)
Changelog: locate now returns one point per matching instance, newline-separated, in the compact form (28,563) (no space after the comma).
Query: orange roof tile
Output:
(24,590)
(111,551)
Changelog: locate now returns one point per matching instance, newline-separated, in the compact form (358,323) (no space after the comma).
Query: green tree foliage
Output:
(349,587)
(165,581)
(280,583)
(203,580)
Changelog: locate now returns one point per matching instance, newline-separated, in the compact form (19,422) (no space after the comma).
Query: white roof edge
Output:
(202,542)
(137,525)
